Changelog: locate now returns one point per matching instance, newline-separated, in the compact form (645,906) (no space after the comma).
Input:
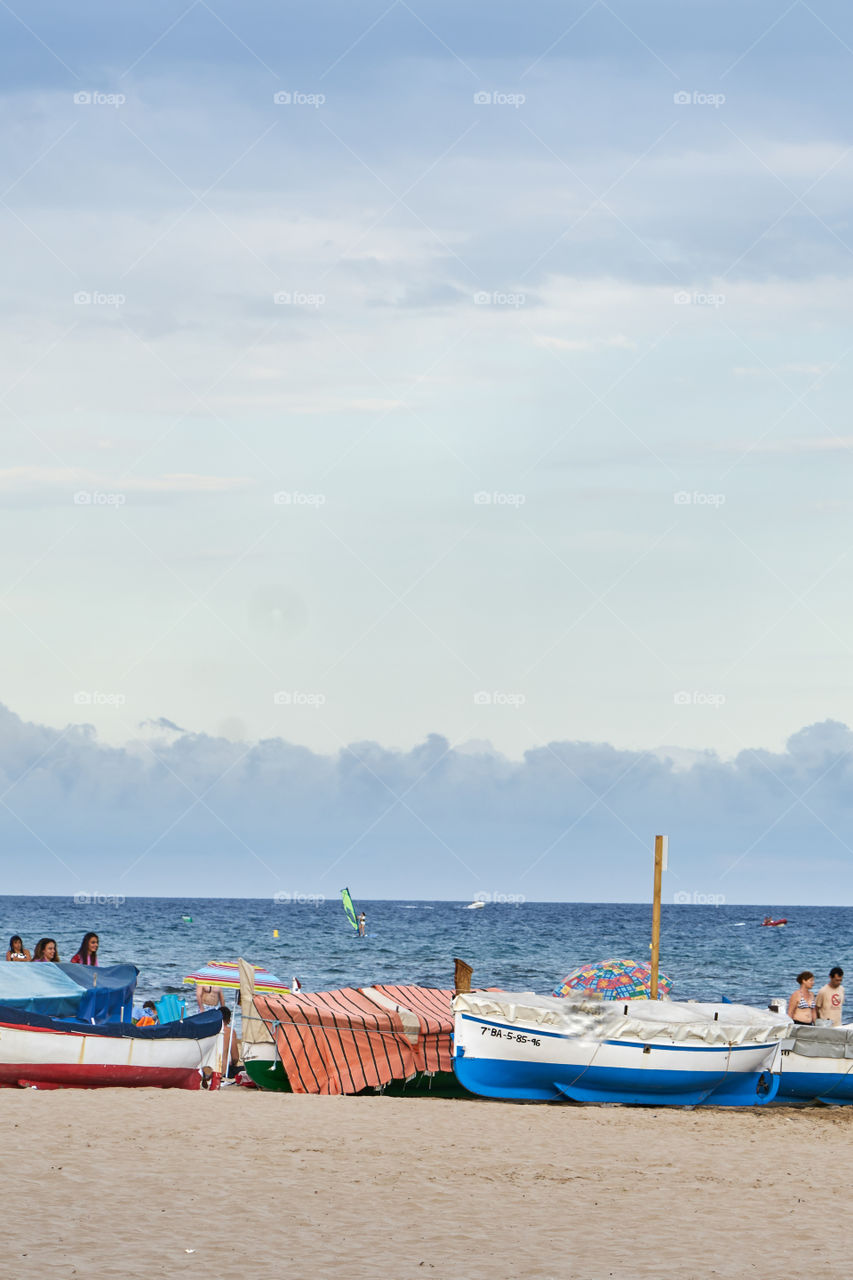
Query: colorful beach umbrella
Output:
(614,980)
(227,975)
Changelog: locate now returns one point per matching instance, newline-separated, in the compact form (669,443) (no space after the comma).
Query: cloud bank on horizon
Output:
(377,369)
(188,814)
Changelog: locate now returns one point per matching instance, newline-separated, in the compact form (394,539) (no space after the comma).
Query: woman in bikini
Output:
(801,1006)
(17,950)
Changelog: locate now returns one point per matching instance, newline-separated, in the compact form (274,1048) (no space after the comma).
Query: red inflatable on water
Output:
(770,923)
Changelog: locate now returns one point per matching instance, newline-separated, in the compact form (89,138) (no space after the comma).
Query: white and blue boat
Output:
(659,1053)
(815,1064)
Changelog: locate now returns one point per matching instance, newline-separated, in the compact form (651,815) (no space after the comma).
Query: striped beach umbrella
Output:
(226,974)
(614,980)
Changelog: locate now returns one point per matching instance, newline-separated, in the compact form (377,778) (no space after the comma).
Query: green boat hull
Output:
(272,1077)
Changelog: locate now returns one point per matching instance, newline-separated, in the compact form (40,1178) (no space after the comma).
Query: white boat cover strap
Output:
(637,1019)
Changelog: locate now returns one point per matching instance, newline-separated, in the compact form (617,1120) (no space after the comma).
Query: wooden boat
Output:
(660,1053)
(53,1053)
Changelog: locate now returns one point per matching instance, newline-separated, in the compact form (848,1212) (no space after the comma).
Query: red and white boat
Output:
(767,923)
(52,1053)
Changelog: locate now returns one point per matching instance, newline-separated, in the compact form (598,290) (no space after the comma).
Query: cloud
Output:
(569,820)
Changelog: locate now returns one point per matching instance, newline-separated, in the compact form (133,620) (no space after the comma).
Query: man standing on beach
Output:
(830,999)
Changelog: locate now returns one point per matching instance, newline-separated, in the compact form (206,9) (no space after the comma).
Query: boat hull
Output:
(814,1079)
(499,1060)
(58,1058)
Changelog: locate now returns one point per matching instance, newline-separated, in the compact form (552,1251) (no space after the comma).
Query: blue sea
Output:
(707,951)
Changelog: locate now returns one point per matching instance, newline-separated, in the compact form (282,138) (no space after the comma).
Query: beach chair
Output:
(170,1008)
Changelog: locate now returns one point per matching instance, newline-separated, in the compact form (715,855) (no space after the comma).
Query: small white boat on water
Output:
(662,1053)
(475,906)
(55,1053)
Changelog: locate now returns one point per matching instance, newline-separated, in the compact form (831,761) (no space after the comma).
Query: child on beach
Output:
(17,950)
(46,950)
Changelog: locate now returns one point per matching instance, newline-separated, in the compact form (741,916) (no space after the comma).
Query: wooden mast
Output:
(660,866)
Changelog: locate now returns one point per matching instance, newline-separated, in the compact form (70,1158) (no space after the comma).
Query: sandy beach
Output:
(125,1183)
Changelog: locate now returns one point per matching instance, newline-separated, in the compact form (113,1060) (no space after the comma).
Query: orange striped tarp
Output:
(336,1042)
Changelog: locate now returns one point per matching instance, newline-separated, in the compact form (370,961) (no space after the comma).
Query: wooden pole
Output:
(660,853)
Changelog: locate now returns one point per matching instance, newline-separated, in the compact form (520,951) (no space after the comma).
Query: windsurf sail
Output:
(349,908)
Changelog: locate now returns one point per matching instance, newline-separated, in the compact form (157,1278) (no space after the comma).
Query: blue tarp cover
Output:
(107,993)
(69,990)
(39,988)
(199,1027)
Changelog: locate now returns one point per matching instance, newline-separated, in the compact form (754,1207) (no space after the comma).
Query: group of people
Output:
(807,1008)
(46,949)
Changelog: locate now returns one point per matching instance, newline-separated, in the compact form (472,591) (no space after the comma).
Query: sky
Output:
(459,388)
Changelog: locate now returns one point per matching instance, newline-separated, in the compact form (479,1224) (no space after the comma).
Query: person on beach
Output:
(208,997)
(149,1015)
(46,950)
(362,924)
(17,950)
(88,953)
(230,1054)
(830,999)
(801,1006)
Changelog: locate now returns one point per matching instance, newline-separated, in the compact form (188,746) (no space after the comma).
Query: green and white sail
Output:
(349,908)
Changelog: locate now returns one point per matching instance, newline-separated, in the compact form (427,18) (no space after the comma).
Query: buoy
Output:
(275,933)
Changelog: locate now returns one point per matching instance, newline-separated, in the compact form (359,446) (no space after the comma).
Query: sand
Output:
(123,1183)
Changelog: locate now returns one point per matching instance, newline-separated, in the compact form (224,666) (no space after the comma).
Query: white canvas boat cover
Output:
(632,1019)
